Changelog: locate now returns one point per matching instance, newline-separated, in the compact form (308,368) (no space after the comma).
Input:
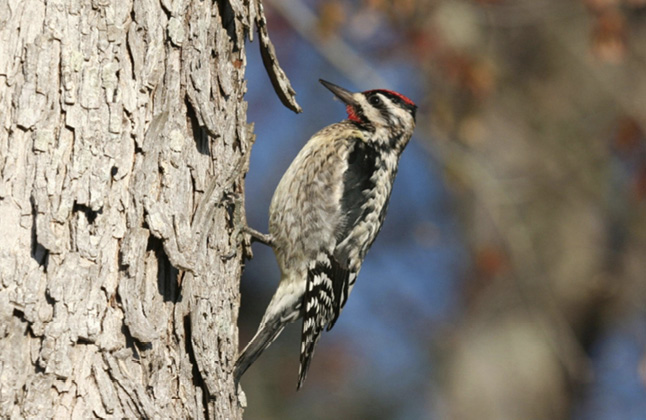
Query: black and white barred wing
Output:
(325,279)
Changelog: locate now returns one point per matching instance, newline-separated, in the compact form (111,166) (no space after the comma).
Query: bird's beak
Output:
(339,92)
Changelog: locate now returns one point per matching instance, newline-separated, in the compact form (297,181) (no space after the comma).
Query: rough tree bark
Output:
(123,149)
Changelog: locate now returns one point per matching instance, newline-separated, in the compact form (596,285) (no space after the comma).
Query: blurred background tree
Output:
(508,282)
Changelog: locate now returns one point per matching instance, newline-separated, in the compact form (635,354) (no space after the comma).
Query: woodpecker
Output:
(325,214)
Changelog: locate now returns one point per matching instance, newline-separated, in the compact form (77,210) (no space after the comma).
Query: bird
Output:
(325,214)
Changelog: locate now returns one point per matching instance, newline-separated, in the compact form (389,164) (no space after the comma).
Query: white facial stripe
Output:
(370,112)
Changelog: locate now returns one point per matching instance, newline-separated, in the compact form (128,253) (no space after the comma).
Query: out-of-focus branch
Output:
(501,205)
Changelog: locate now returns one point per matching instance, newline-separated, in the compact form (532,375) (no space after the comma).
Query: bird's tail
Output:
(266,334)
(284,308)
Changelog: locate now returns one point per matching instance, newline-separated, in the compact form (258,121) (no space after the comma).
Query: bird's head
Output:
(389,114)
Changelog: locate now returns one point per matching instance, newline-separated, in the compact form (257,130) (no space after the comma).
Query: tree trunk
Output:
(123,150)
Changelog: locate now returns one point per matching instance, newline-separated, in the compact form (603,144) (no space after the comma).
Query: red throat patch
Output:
(352,114)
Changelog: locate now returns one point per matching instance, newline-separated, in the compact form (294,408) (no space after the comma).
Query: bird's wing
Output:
(324,277)
(354,237)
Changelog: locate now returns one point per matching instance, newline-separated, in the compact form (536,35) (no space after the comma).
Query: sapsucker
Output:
(325,214)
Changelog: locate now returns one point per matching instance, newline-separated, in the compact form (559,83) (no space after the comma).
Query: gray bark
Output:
(123,150)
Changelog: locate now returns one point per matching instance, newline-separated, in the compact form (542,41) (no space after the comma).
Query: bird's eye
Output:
(375,100)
